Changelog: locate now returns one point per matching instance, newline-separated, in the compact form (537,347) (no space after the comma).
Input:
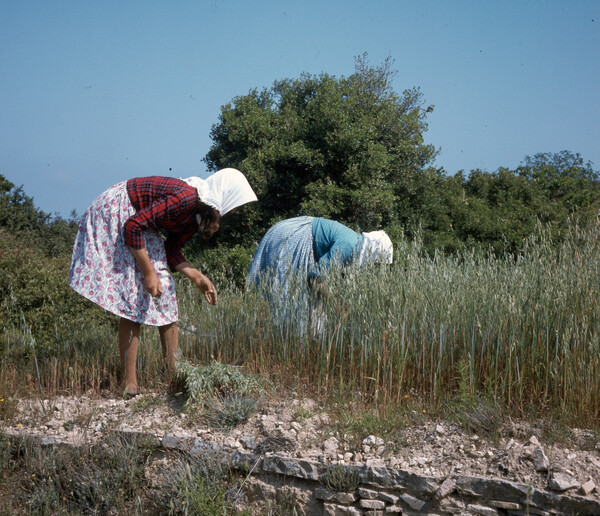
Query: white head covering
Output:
(224,190)
(376,247)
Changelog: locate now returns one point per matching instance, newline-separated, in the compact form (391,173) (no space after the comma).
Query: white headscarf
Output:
(377,247)
(224,190)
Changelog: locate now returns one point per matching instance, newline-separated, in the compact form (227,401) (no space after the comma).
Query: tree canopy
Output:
(351,149)
(346,148)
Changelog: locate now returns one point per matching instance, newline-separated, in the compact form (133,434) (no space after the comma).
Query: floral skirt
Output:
(104,271)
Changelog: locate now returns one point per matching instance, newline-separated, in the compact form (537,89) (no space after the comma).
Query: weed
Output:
(286,503)
(341,478)
(144,402)
(353,423)
(195,486)
(473,411)
(229,411)
(95,480)
(8,408)
(302,414)
(217,379)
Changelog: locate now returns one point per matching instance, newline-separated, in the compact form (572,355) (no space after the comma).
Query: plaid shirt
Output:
(166,203)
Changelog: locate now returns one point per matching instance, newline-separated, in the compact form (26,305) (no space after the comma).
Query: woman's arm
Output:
(200,280)
(151,281)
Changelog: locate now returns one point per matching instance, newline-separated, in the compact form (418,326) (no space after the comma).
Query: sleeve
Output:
(146,218)
(173,245)
(341,252)
(333,242)
(171,214)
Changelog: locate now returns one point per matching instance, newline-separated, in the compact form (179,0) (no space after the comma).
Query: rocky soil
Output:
(298,428)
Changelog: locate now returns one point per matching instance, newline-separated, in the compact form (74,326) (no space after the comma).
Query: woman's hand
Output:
(200,280)
(207,288)
(152,284)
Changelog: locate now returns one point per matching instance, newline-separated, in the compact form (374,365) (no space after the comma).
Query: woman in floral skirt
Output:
(122,263)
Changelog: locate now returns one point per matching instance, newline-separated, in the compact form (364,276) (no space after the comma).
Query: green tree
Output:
(568,184)
(347,149)
(17,211)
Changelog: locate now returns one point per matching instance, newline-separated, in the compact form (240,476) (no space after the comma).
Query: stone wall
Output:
(390,491)
(382,491)
(305,488)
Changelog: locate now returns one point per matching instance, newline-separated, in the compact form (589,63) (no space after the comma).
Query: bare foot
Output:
(130,391)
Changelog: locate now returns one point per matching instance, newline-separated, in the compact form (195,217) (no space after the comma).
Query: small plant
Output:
(229,411)
(302,414)
(471,410)
(286,503)
(145,402)
(107,476)
(341,478)
(8,408)
(217,379)
(195,486)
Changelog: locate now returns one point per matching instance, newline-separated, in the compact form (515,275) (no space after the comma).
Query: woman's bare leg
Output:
(169,339)
(129,333)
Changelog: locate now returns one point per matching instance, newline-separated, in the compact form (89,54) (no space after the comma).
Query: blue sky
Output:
(93,92)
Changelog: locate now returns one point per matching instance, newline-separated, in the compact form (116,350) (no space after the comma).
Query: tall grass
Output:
(522,329)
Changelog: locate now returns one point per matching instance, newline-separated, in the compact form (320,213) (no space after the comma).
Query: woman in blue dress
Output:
(296,253)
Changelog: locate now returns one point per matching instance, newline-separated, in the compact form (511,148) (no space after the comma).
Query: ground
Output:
(518,451)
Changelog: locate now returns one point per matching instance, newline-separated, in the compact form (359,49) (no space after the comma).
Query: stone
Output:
(482,510)
(388,497)
(368,494)
(446,488)
(558,481)
(49,441)
(534,440)
(508,506)
(540,461)
(372,504)
(331,509)
(289,467)
(372,440)
(588,487)
(452,505)
(333,496)
(412,502)
(330,446)
(248,442)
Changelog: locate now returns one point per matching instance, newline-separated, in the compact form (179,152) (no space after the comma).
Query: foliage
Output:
(563,179)
(340,478)
(500,210)
(18,213)
(339,148)
(99,479)
(226,412)
(195,486)
(109,477)
(20,218)
(224,265)
(473,410)
(216,379)
(36,292)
